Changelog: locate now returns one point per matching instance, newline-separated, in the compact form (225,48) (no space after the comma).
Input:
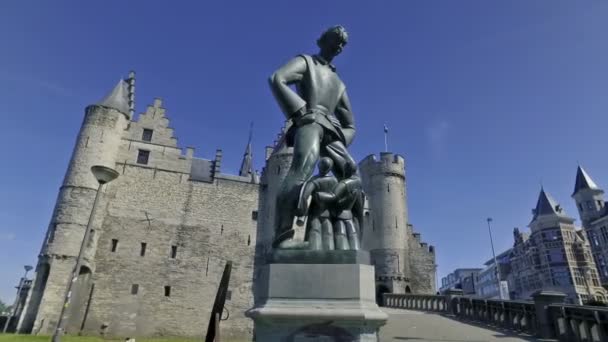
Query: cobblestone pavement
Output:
(415,326)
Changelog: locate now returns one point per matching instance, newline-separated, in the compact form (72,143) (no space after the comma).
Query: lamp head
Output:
(104,174)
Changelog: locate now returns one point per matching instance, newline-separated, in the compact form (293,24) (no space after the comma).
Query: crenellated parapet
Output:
(419,245)
(388,164)
(422,264)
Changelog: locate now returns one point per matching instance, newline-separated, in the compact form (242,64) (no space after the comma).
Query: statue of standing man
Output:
(322,123)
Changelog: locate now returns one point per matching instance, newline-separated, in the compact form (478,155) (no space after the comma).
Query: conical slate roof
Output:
(546,205)
(246,167)
(583,181)
(247,163)
(117,99)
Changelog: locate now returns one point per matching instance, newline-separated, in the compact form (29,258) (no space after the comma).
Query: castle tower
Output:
(97,144)
(278,162)
(588,196)
(386,239)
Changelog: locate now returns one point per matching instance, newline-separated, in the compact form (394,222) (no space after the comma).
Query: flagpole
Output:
(385,138)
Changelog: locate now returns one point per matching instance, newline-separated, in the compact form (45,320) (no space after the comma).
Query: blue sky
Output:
(485,99)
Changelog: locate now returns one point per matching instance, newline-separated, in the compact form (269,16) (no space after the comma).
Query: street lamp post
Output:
(17,299)
(497,273)
(103,175)
(436,279)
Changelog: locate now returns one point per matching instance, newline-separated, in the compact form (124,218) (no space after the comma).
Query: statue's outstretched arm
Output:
(290,102)
(331,197)
(345,115)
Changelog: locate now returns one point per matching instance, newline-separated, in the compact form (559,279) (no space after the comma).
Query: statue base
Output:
(298,256)
(306,301)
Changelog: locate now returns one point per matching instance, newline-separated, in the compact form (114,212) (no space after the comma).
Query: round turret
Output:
(98,143)
(589,198)
(386,239)
(277,166)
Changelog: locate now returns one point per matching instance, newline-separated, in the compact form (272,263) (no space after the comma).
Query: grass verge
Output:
(32,338)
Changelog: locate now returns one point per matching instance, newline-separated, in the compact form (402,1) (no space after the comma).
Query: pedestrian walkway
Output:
(416,326)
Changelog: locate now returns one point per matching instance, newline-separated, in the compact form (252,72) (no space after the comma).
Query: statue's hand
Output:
(299,113)
(308,118)
(303,117)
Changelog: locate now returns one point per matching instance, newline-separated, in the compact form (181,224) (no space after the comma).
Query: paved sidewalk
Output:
(415,326)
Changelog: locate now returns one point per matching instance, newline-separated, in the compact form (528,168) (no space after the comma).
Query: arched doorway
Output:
(407,289)
(79,300)
(380,290)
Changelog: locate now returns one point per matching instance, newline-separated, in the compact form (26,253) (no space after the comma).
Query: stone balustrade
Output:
(579,323)
(514,315)
(547,316)
(415,302)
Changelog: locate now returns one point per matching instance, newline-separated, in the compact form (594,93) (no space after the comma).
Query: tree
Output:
(4,309)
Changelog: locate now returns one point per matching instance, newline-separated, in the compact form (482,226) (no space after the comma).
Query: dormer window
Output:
(147,135)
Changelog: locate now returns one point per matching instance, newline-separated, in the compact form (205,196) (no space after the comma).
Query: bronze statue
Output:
(322,120)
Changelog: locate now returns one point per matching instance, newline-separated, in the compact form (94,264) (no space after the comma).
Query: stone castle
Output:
(165,228)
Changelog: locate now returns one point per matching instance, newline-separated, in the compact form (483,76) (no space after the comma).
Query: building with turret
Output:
(165,228)
(594,217)
(555,255)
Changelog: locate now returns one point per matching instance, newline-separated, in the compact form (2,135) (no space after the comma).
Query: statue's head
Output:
(325,165)
(332,41)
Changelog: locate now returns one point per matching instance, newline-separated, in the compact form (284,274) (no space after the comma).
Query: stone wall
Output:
(166,239)
(422,265)
(207,223)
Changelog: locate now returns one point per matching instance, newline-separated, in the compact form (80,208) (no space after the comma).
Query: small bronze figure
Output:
(346,200)
(319,230)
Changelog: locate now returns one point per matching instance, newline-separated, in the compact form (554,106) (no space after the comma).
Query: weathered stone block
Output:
(316,302)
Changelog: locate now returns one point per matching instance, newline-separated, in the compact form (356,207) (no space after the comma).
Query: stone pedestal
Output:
(542,299)
(303,299)
(452,294)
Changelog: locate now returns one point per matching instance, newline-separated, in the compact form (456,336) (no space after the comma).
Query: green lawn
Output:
(31,338)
